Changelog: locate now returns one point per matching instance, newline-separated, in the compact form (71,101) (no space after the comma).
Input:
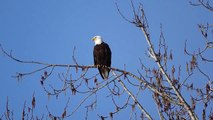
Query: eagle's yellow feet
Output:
(98,66)
(102,66)
(105,66)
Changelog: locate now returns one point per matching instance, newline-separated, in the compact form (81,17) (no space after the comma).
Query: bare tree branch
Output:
(141,22)
(204,3)
(155,57)
(133,97)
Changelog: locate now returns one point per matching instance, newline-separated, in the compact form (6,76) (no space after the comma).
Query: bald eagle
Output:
(102,56)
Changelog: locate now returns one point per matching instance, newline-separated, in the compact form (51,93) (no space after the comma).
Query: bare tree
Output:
(175,97)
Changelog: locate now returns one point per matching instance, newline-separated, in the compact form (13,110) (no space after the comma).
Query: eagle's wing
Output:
(108,53)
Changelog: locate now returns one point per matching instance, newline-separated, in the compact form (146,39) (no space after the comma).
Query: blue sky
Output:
(48,30)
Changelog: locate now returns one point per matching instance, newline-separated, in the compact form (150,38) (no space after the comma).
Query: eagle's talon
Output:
(105,66)
(98,66)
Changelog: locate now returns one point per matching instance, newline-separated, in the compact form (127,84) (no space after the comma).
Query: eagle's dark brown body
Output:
(102,58)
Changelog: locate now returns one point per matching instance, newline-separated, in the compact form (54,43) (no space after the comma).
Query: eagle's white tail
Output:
(105,73)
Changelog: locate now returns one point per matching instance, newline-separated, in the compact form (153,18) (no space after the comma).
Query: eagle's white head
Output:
(97,39)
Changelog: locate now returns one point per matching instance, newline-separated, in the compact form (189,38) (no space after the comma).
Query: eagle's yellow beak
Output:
(93,38)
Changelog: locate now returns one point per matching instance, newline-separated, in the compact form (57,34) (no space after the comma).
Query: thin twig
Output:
(82,101)
(133,97)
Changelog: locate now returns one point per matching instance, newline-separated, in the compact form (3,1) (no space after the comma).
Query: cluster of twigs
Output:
(27,111)
(160,74)
(203,93)
(164,81)
(170,83)
(205,3)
